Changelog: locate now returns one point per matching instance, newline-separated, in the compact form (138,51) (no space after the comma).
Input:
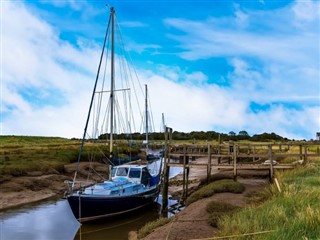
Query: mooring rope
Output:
(237,235)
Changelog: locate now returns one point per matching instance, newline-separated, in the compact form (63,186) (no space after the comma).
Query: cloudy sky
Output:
(219,66)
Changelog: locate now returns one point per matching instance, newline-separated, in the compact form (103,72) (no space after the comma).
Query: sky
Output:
(250,65)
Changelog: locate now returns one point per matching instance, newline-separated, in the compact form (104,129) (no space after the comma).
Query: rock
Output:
(133,235)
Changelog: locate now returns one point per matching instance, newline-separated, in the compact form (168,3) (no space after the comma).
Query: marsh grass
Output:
(217,210)
(225,185)
(150,226)
(215,177)
(22,154)
(294,213)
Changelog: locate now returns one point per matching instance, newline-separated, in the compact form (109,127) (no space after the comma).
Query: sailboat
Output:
(131,186)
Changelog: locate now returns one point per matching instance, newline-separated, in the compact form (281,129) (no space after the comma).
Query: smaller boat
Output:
(130,188)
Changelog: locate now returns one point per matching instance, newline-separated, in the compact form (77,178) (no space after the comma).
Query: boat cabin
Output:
(133,173)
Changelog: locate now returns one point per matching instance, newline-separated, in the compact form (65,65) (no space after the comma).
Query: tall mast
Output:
(163,123)
(112,12)
(146,117)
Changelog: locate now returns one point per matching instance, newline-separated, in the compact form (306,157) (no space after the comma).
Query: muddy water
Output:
(48,220)
(53,220)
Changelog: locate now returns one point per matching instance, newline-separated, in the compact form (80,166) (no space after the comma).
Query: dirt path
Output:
(191,223)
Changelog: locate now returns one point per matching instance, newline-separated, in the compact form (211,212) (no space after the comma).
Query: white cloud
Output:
(203,41)
(306,11)
(140,47)
(272,65)
(241,17)
(272,68)
(35,58)
(189,107)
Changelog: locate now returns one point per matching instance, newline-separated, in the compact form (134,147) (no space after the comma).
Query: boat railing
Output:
(76,185)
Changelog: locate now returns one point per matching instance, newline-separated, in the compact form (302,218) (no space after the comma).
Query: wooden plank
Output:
(242,155)
(231,166)
(195,165)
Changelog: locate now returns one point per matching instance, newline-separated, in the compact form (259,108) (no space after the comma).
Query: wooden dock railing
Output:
(238,156)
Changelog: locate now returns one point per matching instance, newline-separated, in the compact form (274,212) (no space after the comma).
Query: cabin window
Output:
(113,172)
(122,171)
(135,172)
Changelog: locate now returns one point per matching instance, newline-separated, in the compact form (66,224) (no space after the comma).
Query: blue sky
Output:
(210,65)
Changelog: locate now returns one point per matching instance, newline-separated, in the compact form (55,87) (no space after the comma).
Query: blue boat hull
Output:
(89,208)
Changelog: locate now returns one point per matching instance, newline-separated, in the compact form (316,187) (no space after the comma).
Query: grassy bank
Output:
(293,213)
(218,186)
(23,154)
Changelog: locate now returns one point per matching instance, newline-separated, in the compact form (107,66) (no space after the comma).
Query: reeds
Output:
(293,213)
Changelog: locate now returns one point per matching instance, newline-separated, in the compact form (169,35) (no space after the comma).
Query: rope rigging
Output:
(127,94)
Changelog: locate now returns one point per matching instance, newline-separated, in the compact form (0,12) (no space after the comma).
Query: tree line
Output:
(201,135)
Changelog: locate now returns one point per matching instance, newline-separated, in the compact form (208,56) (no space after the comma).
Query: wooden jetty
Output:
(234,156)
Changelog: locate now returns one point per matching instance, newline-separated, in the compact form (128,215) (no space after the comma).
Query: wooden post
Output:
(300,151)
(166,172)
(271,162)
(209,164)
(234,162)
(187,182)
(165,186)
(219,149)
(305,160)
(230,151)
(184,172)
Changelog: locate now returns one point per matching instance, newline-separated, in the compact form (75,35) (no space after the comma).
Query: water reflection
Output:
(47,221)
(53,220)
(118,228)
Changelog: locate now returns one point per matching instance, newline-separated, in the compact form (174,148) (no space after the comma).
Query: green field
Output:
(22,154)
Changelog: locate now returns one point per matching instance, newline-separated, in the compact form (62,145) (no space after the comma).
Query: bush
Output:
(225,185)
(216,177)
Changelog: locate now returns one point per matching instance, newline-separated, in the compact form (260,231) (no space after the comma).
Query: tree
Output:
(232,133)
(243,133)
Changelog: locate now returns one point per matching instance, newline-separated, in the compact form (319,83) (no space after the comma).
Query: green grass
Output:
(217,210)
(150,226)
(293,213)
(219,186)
(215,177)
(22,154)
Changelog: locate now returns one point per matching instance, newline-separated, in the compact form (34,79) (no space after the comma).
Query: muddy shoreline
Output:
(38,186)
